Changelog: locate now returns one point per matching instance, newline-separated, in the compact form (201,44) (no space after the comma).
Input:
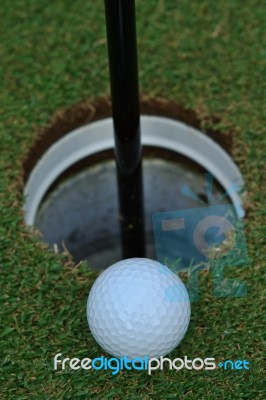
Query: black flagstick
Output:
(123,66)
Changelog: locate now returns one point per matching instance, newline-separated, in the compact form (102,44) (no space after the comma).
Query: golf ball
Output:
(138,307)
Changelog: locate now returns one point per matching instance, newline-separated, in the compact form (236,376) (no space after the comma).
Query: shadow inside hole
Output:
(80,211)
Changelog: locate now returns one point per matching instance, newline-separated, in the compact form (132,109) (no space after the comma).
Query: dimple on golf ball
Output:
(138,307)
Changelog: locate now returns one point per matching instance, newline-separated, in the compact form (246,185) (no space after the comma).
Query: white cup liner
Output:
(156,131)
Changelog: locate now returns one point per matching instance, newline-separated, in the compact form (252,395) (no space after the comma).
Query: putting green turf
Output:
(207,56)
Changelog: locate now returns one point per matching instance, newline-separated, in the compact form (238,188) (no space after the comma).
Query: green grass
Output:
(205,55)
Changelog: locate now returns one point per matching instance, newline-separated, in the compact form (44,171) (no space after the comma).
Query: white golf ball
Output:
(138,307)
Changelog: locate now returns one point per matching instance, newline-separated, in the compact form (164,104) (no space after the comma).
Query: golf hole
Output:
(71,192)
